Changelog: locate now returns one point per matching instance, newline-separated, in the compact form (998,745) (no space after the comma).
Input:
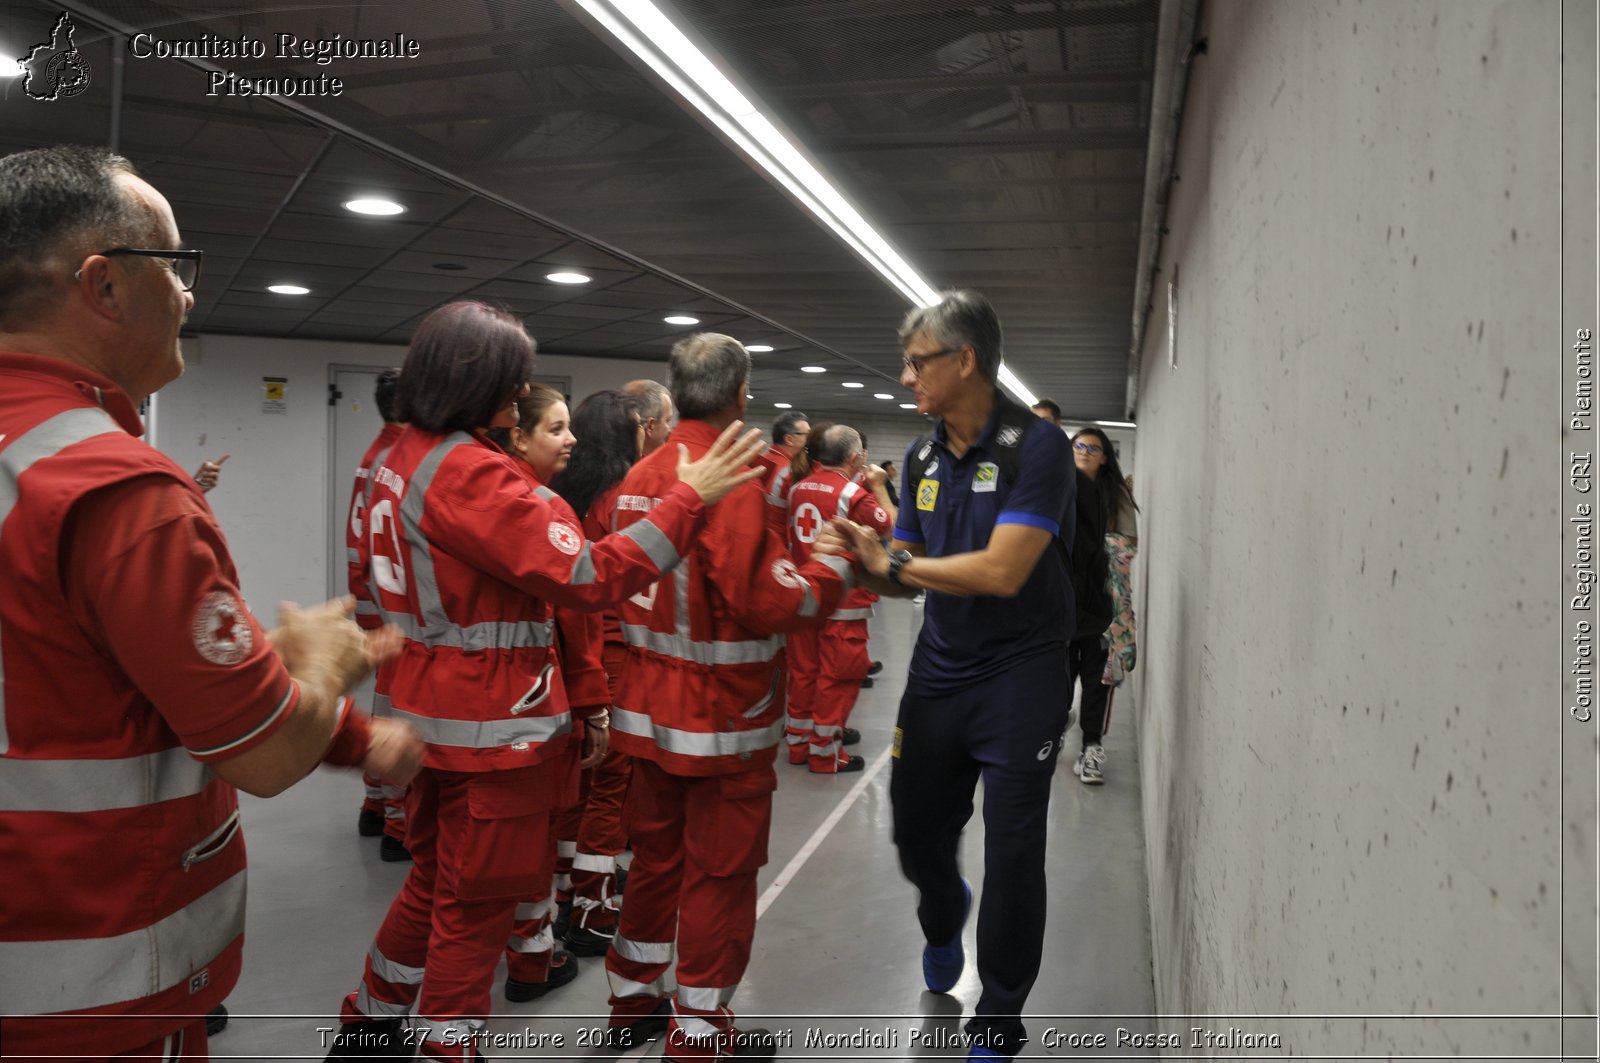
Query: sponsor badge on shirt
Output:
(986,476)
(927,495)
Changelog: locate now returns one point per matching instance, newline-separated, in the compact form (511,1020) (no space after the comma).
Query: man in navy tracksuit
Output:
(984,695)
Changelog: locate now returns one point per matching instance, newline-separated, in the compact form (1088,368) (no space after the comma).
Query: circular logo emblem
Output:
(221,630)
(565,537)
(879,515)
(807,522)
(783,571)
(67,74)
(1044,753)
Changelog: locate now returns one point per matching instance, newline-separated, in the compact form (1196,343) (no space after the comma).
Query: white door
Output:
(355,424)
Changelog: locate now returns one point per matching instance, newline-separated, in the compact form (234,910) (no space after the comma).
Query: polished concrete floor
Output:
(837,950)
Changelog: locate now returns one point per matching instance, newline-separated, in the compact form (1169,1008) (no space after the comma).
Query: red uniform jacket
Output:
(355,526)
(467,558)
(129,661)
(813,501)
(702,690)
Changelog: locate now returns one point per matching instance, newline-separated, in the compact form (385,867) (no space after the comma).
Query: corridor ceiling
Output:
(999,146)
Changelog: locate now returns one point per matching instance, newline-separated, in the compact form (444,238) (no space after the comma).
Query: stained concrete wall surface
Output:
(1349,715)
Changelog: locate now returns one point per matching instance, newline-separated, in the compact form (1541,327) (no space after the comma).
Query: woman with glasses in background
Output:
(1101,659)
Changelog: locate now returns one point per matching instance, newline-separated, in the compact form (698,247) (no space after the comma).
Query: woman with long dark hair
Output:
(610,430)
(1090,656)
(466,558)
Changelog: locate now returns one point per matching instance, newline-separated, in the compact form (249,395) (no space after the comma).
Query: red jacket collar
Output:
(72,378)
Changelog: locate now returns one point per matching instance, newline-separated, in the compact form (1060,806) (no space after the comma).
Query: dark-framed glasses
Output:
(185,264)
(916,362)
(1087,448)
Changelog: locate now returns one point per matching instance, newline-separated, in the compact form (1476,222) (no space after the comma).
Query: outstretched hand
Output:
(723,467)
(846,538)
(324,645)
(210,472)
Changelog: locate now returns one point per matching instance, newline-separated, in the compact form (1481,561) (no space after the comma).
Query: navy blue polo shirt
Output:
(951,506)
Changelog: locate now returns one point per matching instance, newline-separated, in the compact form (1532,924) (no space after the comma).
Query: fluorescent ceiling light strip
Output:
(666,50)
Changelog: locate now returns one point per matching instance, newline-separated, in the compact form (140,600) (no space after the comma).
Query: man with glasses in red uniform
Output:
(138,690)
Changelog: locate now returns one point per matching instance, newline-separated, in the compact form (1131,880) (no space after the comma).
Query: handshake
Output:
(846,538)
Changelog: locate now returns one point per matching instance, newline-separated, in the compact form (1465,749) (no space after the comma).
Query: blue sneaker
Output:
(942,964)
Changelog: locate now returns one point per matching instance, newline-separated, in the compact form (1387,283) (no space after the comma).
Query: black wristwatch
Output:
(897,561)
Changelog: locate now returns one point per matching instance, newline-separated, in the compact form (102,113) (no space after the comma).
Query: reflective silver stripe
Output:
(487,734)
(100,785)
(703,998)
(381,705)
(775,492)
(642,951)
(654,542)
(594,862)
(390,971)
(765,703)
(545,493)
(755,651)
(696,743)
(488,635)
(583,572)
(283,707)
(693,1027)
(44,977)
(808,601)
(527,910)
(864,613)
(364,608)
(846,495)
(352,555)
(45,439)
(447,1031)
(412,508)
(542,941)
(568,848)
(826,730)
(840,567)
(373,1008)
(627,987)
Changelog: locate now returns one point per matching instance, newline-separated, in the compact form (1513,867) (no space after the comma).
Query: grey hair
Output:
(707,373)
(787,424)
(58,205)
(651,396)
(961,318)
(840,443)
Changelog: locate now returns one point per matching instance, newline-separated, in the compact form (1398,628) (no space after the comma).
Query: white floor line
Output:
(792,868)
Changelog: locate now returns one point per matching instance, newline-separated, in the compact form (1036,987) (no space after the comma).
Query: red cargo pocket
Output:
(507,849)
(728,819)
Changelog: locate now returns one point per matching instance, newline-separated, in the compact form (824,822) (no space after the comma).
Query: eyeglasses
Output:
(186,264)
(915,362)
(1087,448)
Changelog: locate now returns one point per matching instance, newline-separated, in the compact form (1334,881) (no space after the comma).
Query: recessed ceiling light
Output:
(681,319)
(567,278)
(450,265)
(908,405)
(882,395)
(374,206)
(783,405)
(853,384)
(10,68)
(812,369)
(758,348)
(288,289)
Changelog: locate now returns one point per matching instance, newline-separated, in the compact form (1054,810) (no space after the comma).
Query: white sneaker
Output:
(1088,768)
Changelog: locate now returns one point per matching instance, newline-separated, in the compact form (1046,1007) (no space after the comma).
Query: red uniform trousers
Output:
(480,843)
(603,830)
(531,944)
(832,682)
(802,652)
(188,1043)
(698,842)
(381,796)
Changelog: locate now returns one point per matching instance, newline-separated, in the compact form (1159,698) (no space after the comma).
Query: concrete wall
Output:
(1349,709)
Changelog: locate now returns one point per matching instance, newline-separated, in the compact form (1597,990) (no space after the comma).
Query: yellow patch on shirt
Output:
(894,750)
(927,495)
